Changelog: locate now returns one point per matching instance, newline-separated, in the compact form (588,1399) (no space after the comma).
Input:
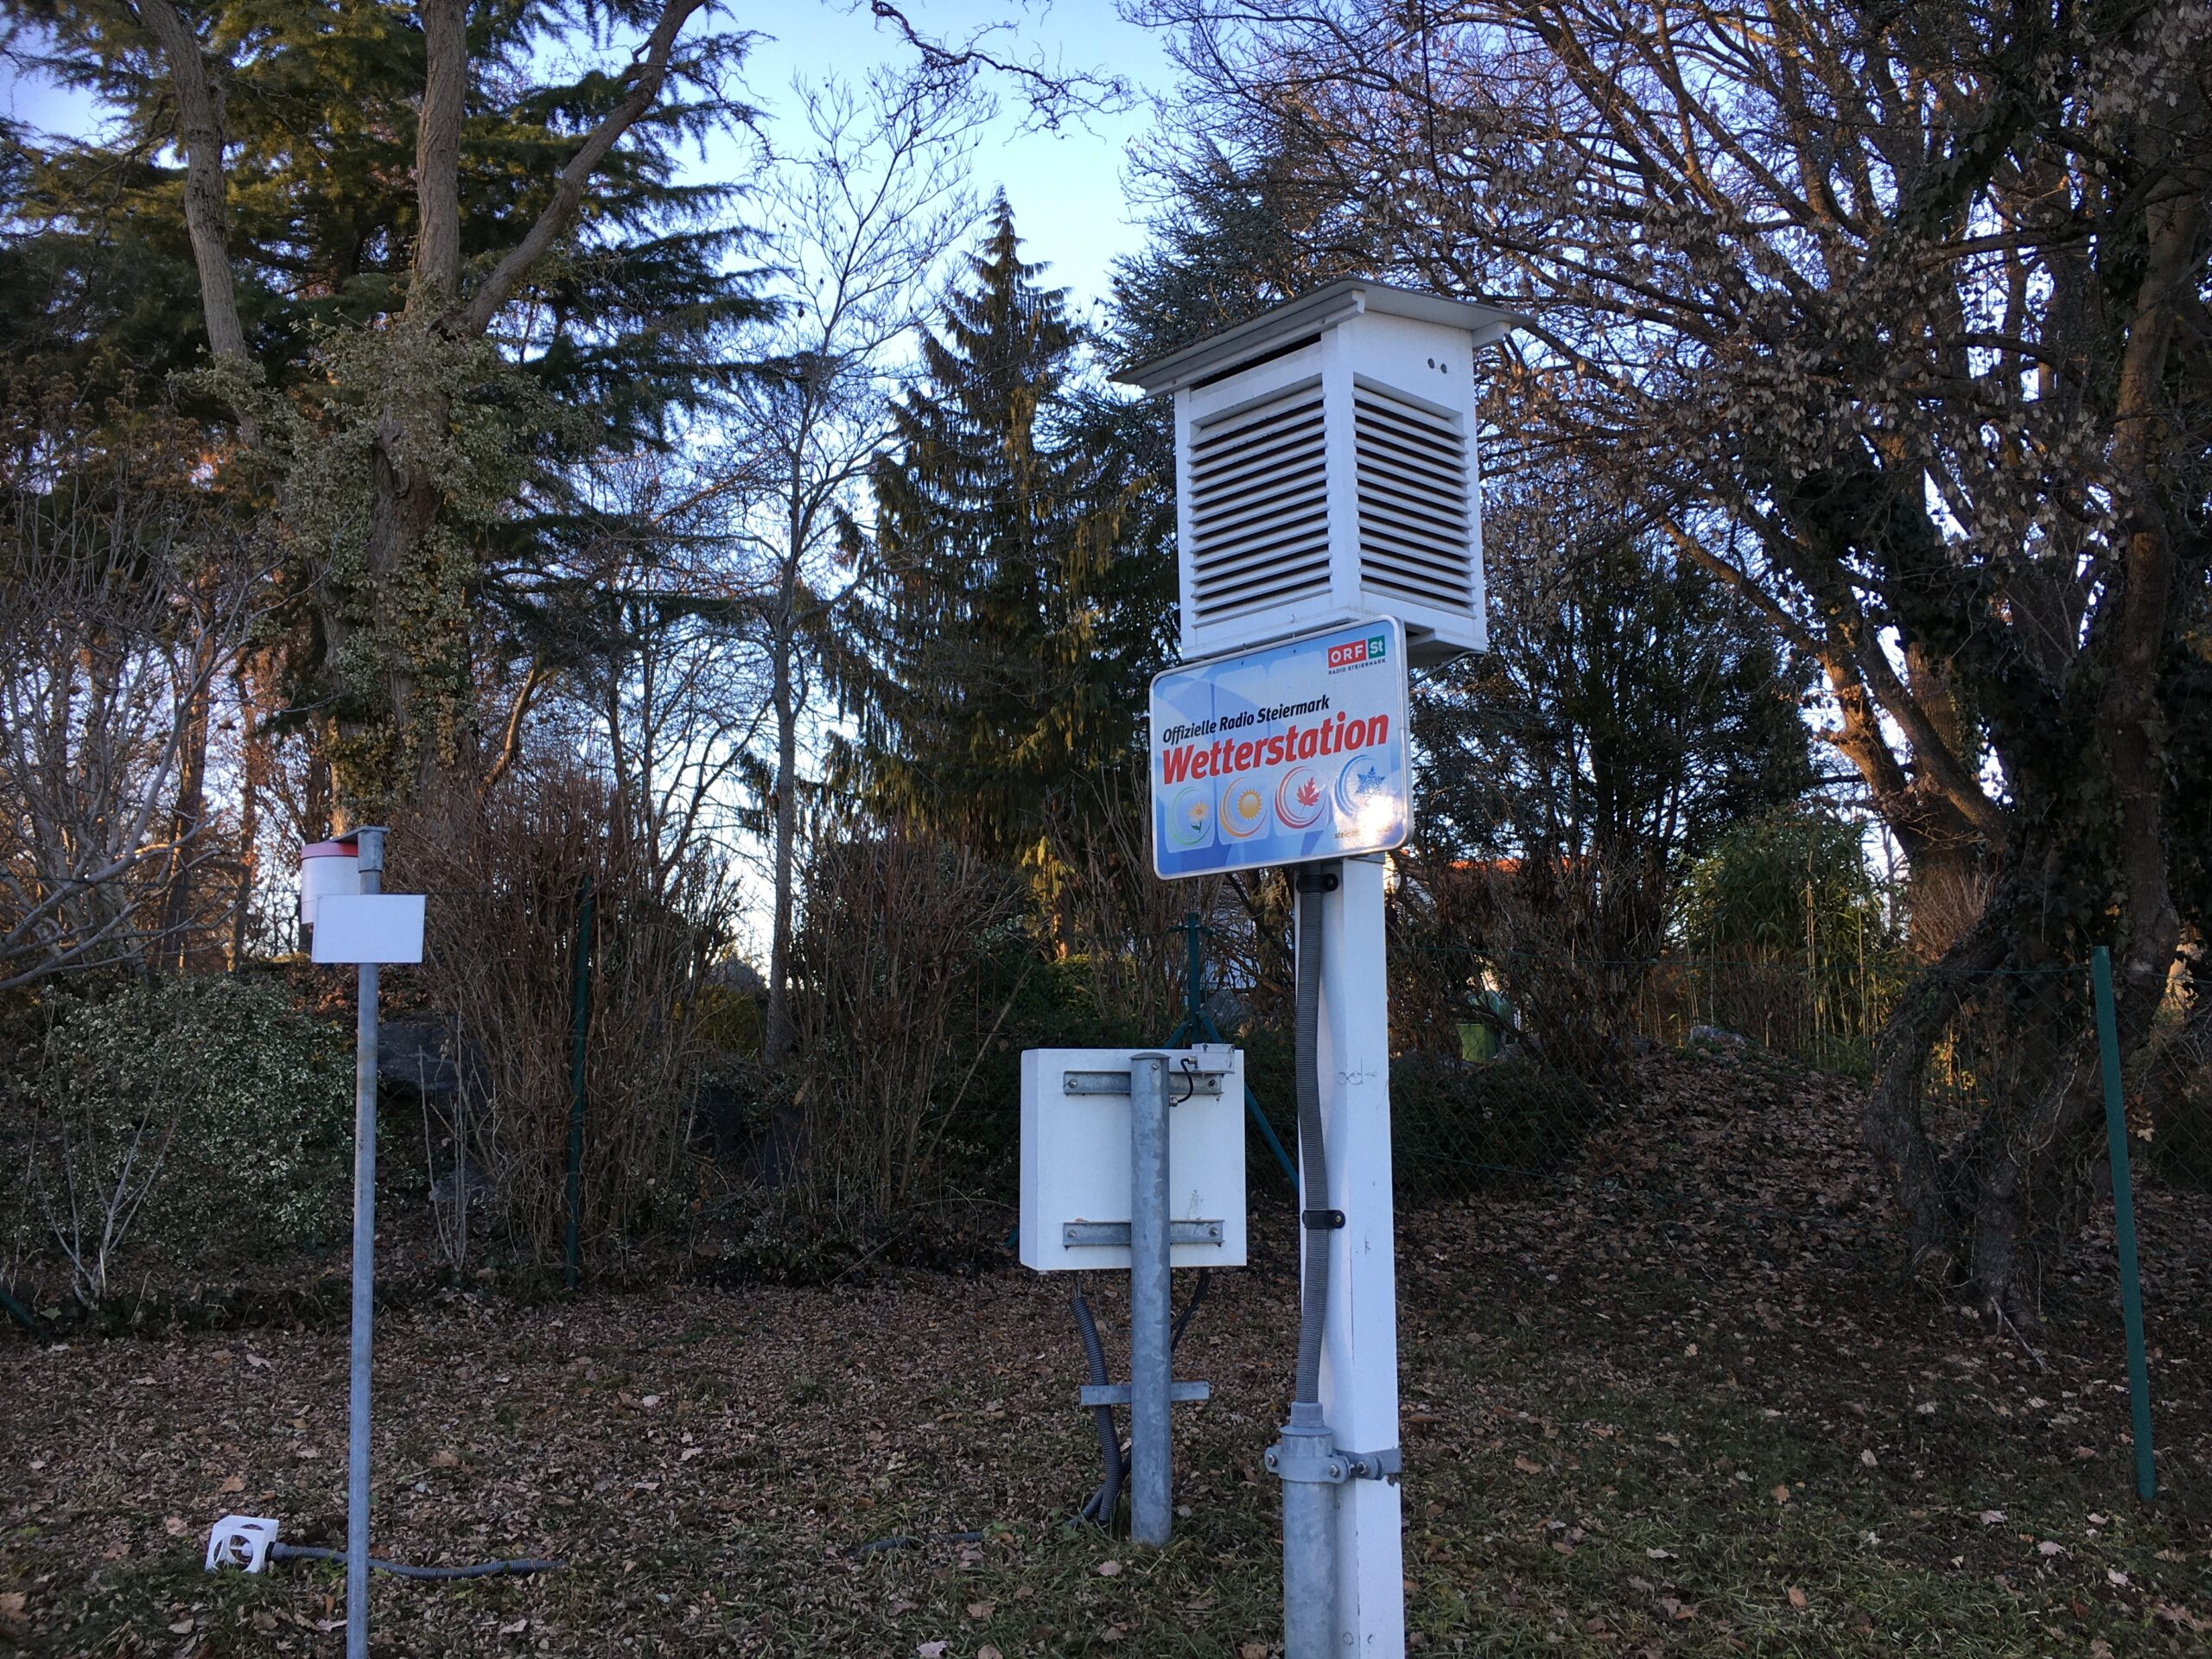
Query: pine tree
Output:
(974,673)
(320,105)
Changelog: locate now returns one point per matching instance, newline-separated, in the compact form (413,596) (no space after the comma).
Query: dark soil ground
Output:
(1686,1403)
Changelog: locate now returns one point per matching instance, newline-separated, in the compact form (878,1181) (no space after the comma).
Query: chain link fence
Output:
(1743,1088)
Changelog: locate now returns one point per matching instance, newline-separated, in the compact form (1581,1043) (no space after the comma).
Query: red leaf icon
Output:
(1307,793)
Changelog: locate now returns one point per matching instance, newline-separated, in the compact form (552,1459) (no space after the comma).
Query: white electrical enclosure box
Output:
(1325,468)
(380,927)
(1076,1152)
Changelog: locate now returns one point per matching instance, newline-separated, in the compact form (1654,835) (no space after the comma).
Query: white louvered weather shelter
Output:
(1326,469)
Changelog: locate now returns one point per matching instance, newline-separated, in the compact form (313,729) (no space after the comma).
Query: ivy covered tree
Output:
(428,269)
(976,673)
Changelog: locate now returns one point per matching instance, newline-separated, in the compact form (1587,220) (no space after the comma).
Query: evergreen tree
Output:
(976,672)
(319,106)
(1629,711)
(440,273)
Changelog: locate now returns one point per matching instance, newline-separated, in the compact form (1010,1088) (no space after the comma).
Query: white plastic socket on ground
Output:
(241,1541)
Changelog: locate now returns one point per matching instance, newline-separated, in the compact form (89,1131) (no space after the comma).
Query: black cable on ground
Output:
(1099,1506)
(902,1540)
(1197,1295)
(283,1551)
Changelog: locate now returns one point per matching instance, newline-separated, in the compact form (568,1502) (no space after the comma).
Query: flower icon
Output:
(1189,816)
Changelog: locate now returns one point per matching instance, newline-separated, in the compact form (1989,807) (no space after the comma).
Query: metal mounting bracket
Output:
(1117,1393)
(1184,1083)
(1387,1465)
(1110,1233)
(1294,1459)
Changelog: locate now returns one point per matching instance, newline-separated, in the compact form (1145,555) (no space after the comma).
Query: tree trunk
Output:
(175,918)
(776,1038)
(1896,1131)
(200,136)
(1947,880)
(253,774)
(437,149)
(378,756)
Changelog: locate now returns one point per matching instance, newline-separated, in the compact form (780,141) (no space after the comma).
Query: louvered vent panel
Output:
(1259,507)
(1415,540)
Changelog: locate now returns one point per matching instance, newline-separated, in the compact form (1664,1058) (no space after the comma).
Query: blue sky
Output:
(1065,187)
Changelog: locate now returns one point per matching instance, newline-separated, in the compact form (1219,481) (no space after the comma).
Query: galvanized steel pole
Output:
(1151,1348)
(2123,1224)
(369,848)
(580,1029)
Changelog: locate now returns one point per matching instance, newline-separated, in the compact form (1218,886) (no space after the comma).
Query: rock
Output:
(466,1180)
(418,1054)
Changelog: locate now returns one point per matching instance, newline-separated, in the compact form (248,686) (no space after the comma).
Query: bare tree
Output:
(1892,319)
(864,209)
(121,607)
(675,680)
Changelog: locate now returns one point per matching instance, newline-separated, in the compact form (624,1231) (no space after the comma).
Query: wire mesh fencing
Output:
(1747,1084)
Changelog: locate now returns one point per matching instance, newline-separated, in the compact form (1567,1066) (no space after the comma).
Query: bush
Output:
(908,959)
(181,1127)
(509,868)
(1788,939)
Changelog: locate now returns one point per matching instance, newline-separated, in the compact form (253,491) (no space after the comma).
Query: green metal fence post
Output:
(1194,970)
(2123,1206)
(579,1025)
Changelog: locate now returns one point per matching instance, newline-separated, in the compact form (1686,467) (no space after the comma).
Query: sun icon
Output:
(1243,811)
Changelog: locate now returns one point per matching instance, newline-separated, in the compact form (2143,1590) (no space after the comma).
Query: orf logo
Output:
(1349,654)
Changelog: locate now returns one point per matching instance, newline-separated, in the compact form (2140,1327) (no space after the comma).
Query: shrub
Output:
(1788,937)
(900,968)
(509,868)
(191,1122)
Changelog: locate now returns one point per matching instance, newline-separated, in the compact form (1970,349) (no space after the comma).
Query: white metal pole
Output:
(1359,1363)
(369,845)
(1151,1348)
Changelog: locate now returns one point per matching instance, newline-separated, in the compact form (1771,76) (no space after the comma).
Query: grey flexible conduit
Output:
(282,1552)
(1100,1505)
(1314,1187)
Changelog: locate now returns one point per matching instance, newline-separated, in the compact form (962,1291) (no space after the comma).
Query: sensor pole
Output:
(1151,1313)
(369,843)
(1359,1362)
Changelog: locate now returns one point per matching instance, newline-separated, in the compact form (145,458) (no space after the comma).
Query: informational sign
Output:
(1284,754)
(379,927)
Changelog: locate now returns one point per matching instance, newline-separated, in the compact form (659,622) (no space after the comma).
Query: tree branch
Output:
(199,135)
(647,75)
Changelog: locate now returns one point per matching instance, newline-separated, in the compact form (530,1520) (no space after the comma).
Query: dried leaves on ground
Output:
(1684,1402)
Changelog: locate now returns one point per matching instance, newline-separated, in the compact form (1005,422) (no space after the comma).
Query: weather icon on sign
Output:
(1243,811)
(1190,818)
(1366,803)
(1300,799)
